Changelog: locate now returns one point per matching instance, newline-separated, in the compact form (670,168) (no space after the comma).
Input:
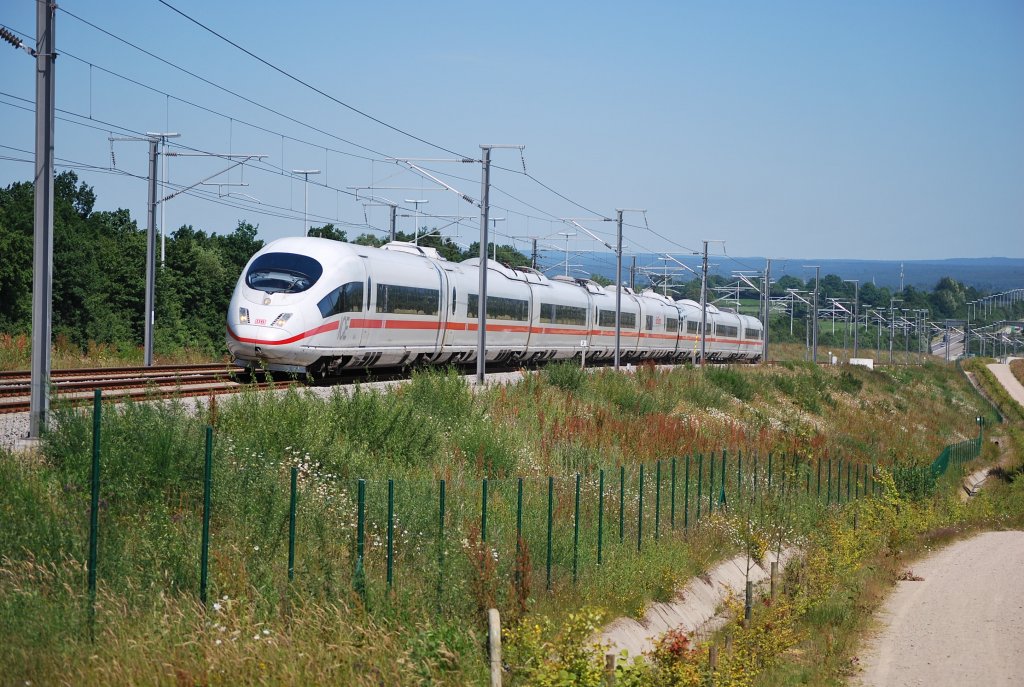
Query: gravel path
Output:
(1010,383)
(961,625)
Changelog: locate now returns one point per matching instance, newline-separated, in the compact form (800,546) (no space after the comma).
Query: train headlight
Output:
(243,315)
(281,319)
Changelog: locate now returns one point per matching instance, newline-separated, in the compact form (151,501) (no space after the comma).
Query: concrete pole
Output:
(42,248)
(394,223)
(703,304)
(892,330)
(485,190)
(618,286)
(814,342)
(533,260)
(150,313)
(767,308)
(856,316)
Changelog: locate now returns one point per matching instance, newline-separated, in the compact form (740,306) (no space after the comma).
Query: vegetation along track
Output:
(159,381)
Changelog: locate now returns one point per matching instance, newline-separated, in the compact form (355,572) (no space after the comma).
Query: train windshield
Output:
(283,273)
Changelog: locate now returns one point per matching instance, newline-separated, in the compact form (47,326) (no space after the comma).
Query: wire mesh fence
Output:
(380,537)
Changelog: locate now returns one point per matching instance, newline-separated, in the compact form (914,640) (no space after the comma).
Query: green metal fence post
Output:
(391,532)
(551,511)
(686,495)
(711,483)
(819,479)
(828,491)
(721,497)
(204,561)
(672,506)
(576,530)
(94,508)
(700,484)
(768,488)
(839,482)
(657,500)
(483,511)
(291,523)
(600,514)
(360,573)
(849,472)
(856,482)
(519,515)
(640,511)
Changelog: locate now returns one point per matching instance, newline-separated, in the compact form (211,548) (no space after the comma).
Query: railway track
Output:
(76,387)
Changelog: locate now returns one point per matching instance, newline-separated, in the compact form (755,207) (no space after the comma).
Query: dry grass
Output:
(16,354)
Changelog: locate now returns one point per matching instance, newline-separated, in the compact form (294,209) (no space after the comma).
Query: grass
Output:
(427,627)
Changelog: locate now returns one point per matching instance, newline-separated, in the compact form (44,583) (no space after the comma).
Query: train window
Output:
(407,300)
(751,333)
(563,314)
(671,324)
(499,308)
(726,330)
(649,323)
(692,327)
(606,318)
(347,298)
(568,314)
(283,273)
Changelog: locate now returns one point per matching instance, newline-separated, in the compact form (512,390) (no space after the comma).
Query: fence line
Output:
(781,482)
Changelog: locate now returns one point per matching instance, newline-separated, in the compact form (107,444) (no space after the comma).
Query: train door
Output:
(445,312)
(352,331)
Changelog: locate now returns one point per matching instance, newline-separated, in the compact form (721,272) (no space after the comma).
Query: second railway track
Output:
(136,383)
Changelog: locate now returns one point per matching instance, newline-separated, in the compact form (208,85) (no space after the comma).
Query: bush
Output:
(567,376)
(731,381)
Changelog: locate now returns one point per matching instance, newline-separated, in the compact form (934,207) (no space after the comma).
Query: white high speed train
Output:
(315,306)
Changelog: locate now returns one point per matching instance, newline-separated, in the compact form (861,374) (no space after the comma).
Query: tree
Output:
(368,240)
(787,281)
(328,231)
(16,261)
(507,255)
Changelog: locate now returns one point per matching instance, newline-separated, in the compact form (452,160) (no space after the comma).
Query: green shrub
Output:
(567,376)
(731,381)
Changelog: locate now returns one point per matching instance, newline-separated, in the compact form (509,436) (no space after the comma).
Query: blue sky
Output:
(886,130)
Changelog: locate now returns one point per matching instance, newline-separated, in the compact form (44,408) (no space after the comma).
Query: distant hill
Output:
(987,274)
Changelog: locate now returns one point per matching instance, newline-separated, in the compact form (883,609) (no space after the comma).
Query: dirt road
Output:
(961,625)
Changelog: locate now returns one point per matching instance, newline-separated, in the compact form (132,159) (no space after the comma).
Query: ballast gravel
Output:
(13,427)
